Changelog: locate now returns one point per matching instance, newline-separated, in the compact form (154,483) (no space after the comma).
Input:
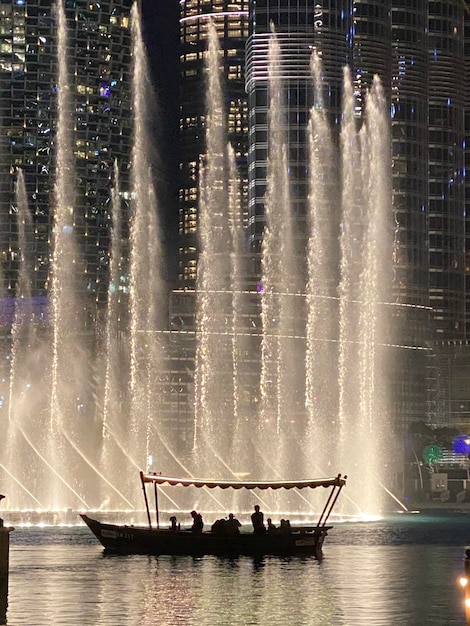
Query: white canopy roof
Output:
(337,481)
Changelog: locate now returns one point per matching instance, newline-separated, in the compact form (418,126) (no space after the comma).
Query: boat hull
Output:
(119,539)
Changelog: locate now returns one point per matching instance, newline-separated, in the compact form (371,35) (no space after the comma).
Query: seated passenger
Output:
(271,528)
(198,524)
(232,525)
(285,528)
(219,527)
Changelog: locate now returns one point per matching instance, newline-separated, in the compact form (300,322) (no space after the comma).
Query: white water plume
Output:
(214,409)
(321,387)
(366,254)
(146,288)
(280,284)
(68,374)
(321,351)
(290,379)
(24,406)
(114,359)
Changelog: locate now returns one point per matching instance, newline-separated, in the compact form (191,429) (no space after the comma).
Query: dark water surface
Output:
(402,571)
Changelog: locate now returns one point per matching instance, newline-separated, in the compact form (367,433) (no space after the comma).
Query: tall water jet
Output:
(364,283)
(240,340)
(350,268)
(214,411)
(146,288)
(321,387)
(280,301)
(375,286)
(25,410)
(318,348)
(75,457)
(68,374)
(113,360)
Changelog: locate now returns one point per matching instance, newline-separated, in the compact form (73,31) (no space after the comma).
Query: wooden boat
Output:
(304,540)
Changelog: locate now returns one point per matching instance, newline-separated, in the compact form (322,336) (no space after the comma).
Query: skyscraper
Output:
(231,22)
(446,21)
(99,78)
(417,53)
(354,34)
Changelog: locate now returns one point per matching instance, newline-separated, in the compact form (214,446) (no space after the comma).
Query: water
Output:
(83,392)
(316,398)
(402,571)
(265,406)
(214,377)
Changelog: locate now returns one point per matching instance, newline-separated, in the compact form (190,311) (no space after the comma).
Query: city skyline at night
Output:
(410,49)
(227,138)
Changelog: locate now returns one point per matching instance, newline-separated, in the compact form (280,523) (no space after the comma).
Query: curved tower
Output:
(446,168)
(346,33)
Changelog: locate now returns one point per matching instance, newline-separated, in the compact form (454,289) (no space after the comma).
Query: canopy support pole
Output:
(338,491)
(329,504)
(146,499)
(157,514)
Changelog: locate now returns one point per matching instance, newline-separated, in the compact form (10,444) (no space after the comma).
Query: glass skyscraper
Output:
(418,52)
(446,108)
(354,34)
(99,72)
(231,22)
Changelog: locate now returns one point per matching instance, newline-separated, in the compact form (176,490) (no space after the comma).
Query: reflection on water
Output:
(402,572)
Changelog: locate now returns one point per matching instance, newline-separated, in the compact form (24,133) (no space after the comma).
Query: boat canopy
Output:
(157,479)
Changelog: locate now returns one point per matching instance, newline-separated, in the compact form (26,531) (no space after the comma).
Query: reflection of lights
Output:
(467,603)
(463,581)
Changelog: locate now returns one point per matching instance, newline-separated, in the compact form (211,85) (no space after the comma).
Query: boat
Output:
(305,539)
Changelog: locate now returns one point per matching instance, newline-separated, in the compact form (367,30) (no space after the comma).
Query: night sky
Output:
(160,28)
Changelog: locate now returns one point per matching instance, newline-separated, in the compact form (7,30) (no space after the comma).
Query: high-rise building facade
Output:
(418,52)
(99,74)
(354,34)
(446,106)
(231,22)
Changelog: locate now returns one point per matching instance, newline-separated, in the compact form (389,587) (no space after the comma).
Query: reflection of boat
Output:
(306,539)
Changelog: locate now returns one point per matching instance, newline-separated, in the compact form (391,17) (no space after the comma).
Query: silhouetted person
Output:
(232,525)
(284,528)
(198,524)
(218,527)
(257,519)
(272,530)
(174,525)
